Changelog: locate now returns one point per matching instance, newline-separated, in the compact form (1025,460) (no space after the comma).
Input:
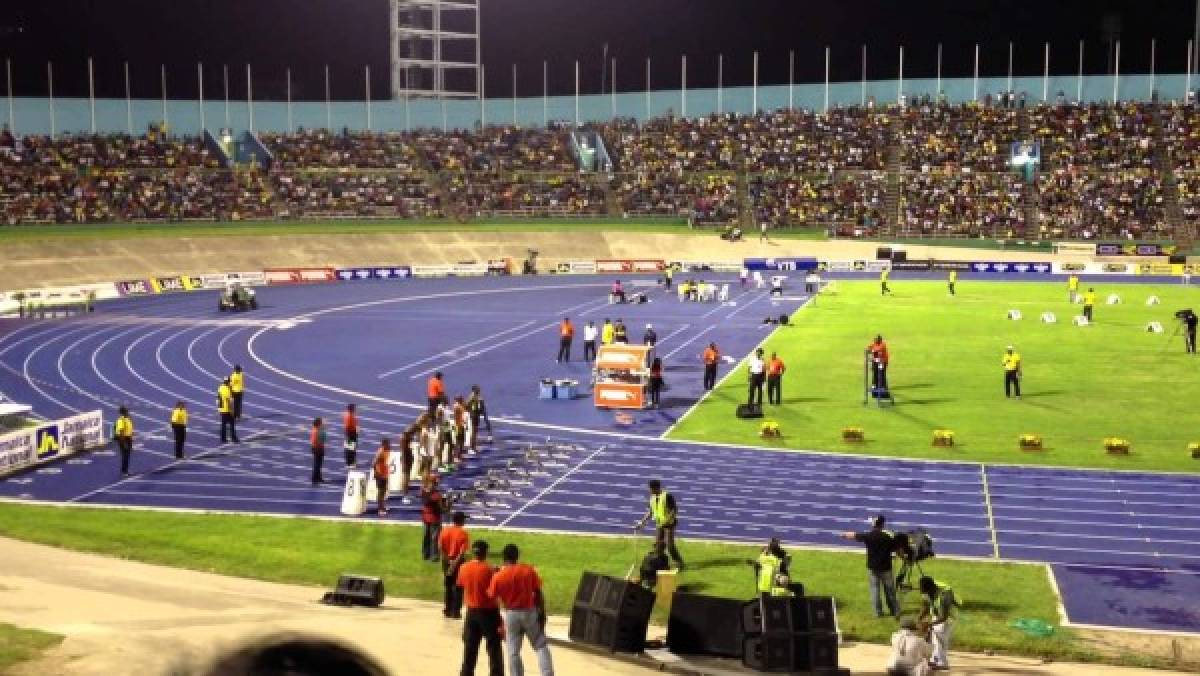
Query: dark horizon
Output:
(350,34)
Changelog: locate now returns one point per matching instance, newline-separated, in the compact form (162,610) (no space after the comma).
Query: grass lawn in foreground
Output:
(314,552)
(1081,384)
(20,645)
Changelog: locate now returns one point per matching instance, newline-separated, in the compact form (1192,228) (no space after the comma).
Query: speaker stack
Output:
(355,590)
(795,634)
(705,625)
(611,613)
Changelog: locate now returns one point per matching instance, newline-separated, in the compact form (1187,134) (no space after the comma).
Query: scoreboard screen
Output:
(1025,153)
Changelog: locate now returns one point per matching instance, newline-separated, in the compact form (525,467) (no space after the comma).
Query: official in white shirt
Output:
(758,377)
(589,341)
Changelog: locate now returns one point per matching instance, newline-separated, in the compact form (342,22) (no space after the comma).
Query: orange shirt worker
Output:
(775,369)
(519,589)
(452,543)
(483,614)
(566,334)
(435,389)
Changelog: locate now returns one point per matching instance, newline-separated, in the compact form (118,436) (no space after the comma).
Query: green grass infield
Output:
(315,552)
(1080,385)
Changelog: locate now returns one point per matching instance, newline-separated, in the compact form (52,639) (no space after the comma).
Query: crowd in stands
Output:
(1103,171)
(847,198)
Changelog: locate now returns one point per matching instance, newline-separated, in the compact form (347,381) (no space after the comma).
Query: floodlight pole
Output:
(683,87)
(938,87)
(1079,79)
(1046,74)
(754,107)
(791,79)
(975,76)
(1116,71)
(163,82)
(128,102)
(827,79)
(50,90)
(92,94)
(287,74)
(720,83)
(328,106)
(200,88)
(12,120)
(250,97)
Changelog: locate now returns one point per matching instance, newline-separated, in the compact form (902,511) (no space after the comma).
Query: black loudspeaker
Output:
(792,652)
(788,614)
(1177,259)
(899,256)
(883,253)
(749,411)
(611,613)
(356,590)
(704,625)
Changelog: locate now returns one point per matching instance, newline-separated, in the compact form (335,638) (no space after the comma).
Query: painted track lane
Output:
(1122,542)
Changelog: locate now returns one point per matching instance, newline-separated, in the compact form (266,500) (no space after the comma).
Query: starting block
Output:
(1080,320)
(1014,315)
(1049,318)
(1154,327)
(1152,300)
(1113,299)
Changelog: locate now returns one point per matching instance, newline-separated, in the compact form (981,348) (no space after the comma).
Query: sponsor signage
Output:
(171,284)
(135,287)
(383,272)
(1012,267)
(16,450)
(431,270)
(911,265)
(951,265)
(502,266)
(1115,267)
(1134,249)
(582,267)
(220,279)
(299,275)
(630,265)
(1158,269)
(51,440)
(780,264)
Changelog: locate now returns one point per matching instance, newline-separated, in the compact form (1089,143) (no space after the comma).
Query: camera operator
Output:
(772,570)
(879,544)
(1189,320)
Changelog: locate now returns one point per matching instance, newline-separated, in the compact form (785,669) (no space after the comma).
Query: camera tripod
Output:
(904,576)
(1180,330)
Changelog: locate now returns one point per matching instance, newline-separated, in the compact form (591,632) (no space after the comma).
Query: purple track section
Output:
(1123,545)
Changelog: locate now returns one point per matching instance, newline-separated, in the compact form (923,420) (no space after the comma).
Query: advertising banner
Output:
(1160,269)
(1134,249)
(501,266)
(135,287)
(1097,268)
(1013,267)
(51,440)
(629,265)
(171,284)
(911,265)
(469,269)
(431,270)
(780,264)
(16,450)
(353,274)
(299,275)
(951,265)
(220,279)
(581,267)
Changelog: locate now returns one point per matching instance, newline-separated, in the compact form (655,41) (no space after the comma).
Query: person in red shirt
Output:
(483,615)
(711,356)
(453,542)
(435,390)
(432,506)
(518,587)
(775,369)
(350,427)
(566,334)
(316,440)
(382,467)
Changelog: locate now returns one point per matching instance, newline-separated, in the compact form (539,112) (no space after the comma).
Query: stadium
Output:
(283,342)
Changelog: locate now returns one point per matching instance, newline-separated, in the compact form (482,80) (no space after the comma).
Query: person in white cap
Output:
(1012,373)
(649,337)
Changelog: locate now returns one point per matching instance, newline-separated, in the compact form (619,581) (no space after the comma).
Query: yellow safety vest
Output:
(1012,362)
(953,276)
(768,572)
(179,416)
(123,428)
(1089,298)
(224,399)
(1073,283)
(658,509)
(606,334)
(236,381)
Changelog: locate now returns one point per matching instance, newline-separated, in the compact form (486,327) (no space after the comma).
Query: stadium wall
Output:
(32,115)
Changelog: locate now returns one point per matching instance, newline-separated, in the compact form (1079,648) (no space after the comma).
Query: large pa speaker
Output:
(704,625)
(611,613)
(356,590)
(749,411)
(1177,259)
(817,652)
(899,256)
(788,614)
(883,253)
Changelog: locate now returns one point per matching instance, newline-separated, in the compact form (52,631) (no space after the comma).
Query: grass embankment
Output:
(290,228)
(1081,384)
(20,645)
(314,552)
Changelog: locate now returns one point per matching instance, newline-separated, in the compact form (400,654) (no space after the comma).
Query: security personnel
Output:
(711,356)
(607,332)
(1089,302)
(1189,323)
(566,333)
(225,408)
(884,274)
(620,335)
(668,276)
(1072,287)
(237,385)
(939,611)
(771,568)
(775,369)
(179,419)
(350,429)
(1012,373)
(316,443)
(123,434)
(666,519)
(952,280)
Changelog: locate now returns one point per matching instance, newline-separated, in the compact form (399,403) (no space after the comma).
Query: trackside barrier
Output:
(50,440)
(629,265)
(707,266)
(378,272)
(299,275)
(791,264)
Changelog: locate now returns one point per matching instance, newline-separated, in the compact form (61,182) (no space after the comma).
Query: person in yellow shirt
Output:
(952,280)
(179,419)
(1089,302)
(1012,373)
(123,434)
(237,385)
(225,408)
(1072,287)
(607,332)
(884,274)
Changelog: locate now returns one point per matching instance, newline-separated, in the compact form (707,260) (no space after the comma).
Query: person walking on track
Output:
(452,543)
(518,588)
(656,381)
(179,419)
(382,468)
(711,356)
(1012,373)
(316,441)
(666,519)
(477,408)
(225,409)
(607,332)
(589,341)
(650,337)
(123,434)
(350,429)
(237,385)
(483,613)
(566,335)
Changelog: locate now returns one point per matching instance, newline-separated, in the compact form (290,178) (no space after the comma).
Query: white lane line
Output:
(551,487)
(450,352)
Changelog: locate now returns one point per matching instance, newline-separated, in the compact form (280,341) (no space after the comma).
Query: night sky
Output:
(348,34)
